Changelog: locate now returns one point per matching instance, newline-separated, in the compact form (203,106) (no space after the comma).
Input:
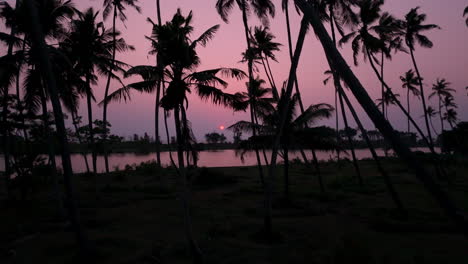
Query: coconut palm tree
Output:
(262,10)
(388,99)
(295,124)
(38,41)
(451,116)
(410,82)
(265,47)
(89,46)
(178,52)
(118,7)
(442,90)
(340,65)
(413,29)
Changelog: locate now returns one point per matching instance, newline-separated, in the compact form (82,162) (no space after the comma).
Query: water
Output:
(207,158)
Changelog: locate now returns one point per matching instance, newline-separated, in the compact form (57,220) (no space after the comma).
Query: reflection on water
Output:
(209,158)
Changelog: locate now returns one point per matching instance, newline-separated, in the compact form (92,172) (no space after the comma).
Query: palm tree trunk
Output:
(80,140)
(266,184)
(91,132)
(388,182)
(270,80)
(379,121)
(46,67)
(106,93)
(51,153)
(421,89)
(283,114)
(158,98)
(336,80)
(197,256)
(409,107)
(382,61)
(263,148)
(440,116)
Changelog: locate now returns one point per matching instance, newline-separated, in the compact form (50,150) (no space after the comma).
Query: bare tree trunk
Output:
(286,102)
(340,65)
(51,153)
(158,97)
(197,256)
(423,98)
(106,93)
(46,67)
(80,140)
(440,115)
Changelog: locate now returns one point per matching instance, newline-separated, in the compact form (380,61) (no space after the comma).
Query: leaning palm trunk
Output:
(46,67)
(336,80)
(340,65)
(283,114)
(423,98)
(51,153)
(197,256)
(106,93)
(388,182)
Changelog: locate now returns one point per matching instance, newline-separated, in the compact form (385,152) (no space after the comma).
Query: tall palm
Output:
(442,90)
(262,9)
(340,65)
(38,40)
(89,46)
(178,52)
(413,29)
(118,7)
(410,82)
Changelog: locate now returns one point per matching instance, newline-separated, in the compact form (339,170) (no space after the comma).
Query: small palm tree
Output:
(451,116)
(413,29)
(388,99)
(265,47)
(410,82)
(442,90)
(118,7)
(431,113)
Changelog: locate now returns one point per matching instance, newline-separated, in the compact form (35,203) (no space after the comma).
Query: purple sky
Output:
(448,59)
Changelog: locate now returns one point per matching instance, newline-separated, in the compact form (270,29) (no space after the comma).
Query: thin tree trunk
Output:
(46,67)
(440,115)
(283,114)
(197,256)
(80,140)
(409,107)
(382,61)
(158,97)
(273,86)
(421,89)
(106,93)
(51,153)
(91,133)
(377,118)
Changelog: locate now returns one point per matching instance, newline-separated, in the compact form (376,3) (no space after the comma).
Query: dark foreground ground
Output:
(138,219)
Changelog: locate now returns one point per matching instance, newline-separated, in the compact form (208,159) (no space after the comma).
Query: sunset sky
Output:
(448,59)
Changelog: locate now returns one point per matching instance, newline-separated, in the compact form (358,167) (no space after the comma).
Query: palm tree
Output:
(38,41)
(409,82)
(451,116)
(413,29)
(118,7)
(388,99)
(90,46)
(178,52)
(442,90)
(262,9)
(264,46)
(340,65)
(295,124)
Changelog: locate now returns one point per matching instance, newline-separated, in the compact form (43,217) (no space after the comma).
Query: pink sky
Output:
(448,59)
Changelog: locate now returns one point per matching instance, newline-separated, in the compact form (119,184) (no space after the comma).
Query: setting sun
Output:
(221,127)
